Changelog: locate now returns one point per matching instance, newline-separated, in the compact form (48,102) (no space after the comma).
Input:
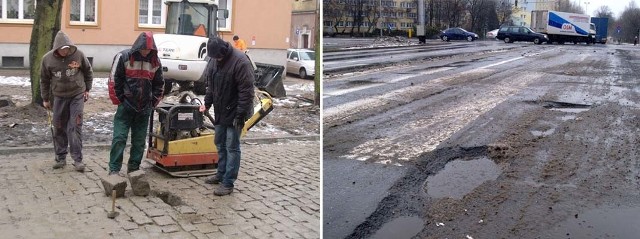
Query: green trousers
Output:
(128,119)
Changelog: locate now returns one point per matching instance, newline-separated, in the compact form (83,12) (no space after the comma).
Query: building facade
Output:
(101,28)
(396,15)
(303,23)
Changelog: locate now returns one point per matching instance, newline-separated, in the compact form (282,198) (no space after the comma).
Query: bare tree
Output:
(629,22)
(605,11)
(334,12)
(569,6)
(504,11)
(46,25)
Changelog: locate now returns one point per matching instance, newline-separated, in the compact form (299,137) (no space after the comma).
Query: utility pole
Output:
(420,28)
(380,8)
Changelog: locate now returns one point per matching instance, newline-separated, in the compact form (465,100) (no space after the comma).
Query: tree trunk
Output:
(45,26)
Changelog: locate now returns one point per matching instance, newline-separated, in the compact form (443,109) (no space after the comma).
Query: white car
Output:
(492,34)
(301,62)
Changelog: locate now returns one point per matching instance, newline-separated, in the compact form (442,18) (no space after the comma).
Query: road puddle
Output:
(460,177)
(604,222)
(539,133)
(400,228)
(570,110)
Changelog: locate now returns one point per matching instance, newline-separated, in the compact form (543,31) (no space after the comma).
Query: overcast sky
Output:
(617,6)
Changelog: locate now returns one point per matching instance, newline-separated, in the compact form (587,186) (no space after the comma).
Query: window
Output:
(12,61)
(84,12)
(225,25)
(294,55)
(151,13)
(328,23)
(21,11)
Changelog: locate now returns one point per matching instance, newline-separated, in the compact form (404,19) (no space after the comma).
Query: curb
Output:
(251,141)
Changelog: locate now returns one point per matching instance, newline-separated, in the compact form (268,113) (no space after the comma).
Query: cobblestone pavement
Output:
(277,195)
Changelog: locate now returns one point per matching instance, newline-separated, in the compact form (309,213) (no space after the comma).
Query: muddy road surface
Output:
(538,141)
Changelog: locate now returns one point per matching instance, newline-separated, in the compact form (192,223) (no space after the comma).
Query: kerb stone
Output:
(139,184)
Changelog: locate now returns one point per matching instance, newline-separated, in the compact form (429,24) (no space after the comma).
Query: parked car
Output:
(457,33)
(492,34)
(512,34)
(301,62)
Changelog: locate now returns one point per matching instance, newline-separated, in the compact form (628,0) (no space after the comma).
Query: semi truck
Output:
(602,26)
(182,49)
(563,27)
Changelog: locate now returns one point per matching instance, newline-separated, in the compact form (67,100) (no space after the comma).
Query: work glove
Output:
(238,123)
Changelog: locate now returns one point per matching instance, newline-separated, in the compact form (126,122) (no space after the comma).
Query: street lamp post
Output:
(586,7)
(380,8)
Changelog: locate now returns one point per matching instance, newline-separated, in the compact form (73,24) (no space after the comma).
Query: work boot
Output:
(79,166)
(114,173)
(59,164)
(212,180)
(132,170)
(222,190)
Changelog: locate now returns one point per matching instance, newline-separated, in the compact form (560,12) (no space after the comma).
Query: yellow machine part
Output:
(197,145)
(259,111)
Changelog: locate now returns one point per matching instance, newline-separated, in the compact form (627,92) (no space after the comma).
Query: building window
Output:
(328,23)
(151,13)
(84,12)
(13,61)
(20,11)
(225,25)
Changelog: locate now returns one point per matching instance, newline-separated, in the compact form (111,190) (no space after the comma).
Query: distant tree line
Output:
(474,15)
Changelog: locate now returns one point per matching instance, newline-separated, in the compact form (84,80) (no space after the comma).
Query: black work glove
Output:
(238,123)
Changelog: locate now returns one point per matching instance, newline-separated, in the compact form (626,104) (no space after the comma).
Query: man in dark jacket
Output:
(139,87)
(230,79)
(66,73)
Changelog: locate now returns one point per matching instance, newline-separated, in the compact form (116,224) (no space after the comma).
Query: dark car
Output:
(457,33)
(517,33)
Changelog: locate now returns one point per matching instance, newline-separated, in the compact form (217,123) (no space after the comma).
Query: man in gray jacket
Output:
(66,75)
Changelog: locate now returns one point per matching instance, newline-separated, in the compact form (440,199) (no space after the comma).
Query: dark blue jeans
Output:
(227,141)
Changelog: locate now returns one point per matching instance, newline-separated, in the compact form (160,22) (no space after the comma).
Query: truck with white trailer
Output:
(563,27)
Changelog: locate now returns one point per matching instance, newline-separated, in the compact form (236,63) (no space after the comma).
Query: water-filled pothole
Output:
(402,227)
(362,82)
(460,177)
(604,222)
(167,197)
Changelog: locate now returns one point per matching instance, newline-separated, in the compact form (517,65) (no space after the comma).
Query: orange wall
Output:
(269,21)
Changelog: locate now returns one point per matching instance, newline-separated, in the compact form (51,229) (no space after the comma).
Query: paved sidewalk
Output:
(277,195)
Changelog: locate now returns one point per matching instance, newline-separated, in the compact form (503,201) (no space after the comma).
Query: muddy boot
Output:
(59,164)
(79,166)
(222,190)
(212,180)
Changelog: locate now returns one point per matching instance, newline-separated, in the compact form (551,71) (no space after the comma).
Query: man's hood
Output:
(63,40)
(145,42)
(218,48)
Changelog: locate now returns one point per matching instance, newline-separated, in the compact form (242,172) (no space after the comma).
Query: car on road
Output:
(301,62)
(510,34)
(492,34)
(457,33)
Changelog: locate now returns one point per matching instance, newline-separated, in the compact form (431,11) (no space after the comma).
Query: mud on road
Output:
(25,125)
(545,147)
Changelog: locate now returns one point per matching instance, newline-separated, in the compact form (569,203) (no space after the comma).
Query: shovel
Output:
(53,136)
(113,214)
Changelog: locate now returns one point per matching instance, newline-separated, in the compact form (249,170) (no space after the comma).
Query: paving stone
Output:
(112,182)
(206,227)
(163,220)
(246,214)
(230,230)
(139,184)
(185,209)
(218,235)
(128,225)
(141,219)
(154,212)
(170,228)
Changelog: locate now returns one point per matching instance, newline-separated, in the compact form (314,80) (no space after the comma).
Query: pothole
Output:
(361,82)
(400,228)
(167,197)
(603,222)
(460,177)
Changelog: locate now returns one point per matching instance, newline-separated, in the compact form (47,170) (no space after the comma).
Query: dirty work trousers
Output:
(67,124)
(227,141)
(124,120)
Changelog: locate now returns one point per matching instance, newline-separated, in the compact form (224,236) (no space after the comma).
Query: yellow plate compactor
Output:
(182,145)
